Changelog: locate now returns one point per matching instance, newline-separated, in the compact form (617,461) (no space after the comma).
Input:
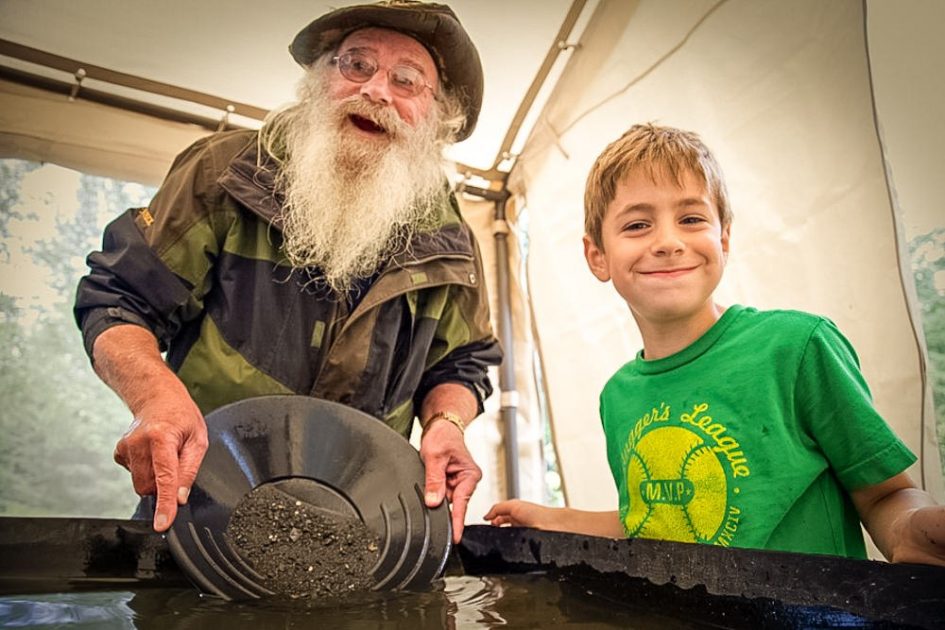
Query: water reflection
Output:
(521,601)
(107,609)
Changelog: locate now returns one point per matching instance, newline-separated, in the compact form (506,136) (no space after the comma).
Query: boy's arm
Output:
(904,521)
(520,513)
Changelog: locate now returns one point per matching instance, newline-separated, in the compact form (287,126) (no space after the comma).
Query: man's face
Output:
(388,49)
(363,166)
(663,246)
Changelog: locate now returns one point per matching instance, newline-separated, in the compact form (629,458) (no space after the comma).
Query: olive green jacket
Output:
(201,268)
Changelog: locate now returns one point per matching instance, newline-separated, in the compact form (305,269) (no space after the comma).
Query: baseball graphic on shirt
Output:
(677,487)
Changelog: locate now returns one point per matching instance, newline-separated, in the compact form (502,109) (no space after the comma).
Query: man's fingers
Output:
(191,456)
(123,451)
(142,473)
(166,479)
(165,510)
(119,456)
(450,473)
(460,503)
(435,485)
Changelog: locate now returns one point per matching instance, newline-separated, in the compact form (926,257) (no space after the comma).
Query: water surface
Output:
(516,601)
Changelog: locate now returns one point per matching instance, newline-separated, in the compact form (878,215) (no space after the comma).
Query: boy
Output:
(733,426)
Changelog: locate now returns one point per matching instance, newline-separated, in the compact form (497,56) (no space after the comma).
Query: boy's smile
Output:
(667,273)
(664,248)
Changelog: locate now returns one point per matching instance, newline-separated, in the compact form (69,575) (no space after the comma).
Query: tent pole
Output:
(508,404)
(509,394)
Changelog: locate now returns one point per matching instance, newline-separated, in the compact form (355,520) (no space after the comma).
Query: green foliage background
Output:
(928,262)
(58,421)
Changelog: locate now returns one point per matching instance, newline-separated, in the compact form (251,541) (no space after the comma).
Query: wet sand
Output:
(301,550)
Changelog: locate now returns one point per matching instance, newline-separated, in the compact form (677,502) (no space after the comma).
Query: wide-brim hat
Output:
(433,25)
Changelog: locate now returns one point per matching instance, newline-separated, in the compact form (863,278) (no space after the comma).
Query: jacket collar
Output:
(253,183)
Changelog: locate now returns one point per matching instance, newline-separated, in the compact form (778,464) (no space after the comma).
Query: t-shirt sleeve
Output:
(614,461)
(836,409)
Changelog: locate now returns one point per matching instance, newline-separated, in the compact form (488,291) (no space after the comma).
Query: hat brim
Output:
(433,25)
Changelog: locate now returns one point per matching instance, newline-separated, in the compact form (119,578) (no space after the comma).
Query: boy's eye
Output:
(635,225)
(693,219)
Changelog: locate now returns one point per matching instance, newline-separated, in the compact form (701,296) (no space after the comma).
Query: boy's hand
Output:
(921,536)
(518,513)
(904,521)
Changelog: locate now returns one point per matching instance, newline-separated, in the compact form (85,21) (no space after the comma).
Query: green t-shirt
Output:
(750,437)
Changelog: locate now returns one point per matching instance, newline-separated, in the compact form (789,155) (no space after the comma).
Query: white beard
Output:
(351,201)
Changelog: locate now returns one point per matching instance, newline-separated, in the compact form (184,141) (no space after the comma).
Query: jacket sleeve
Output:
(469,347)
(153,265)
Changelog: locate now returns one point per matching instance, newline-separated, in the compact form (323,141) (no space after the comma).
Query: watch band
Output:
(449,416)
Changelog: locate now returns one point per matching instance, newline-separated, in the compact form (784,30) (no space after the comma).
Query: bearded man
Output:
(323,255)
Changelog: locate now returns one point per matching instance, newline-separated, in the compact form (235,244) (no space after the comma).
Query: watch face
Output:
(342,474)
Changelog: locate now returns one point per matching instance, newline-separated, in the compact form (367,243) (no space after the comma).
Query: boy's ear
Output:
(726,237)
(596,259)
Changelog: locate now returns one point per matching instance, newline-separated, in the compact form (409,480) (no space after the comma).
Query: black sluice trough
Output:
(729,588)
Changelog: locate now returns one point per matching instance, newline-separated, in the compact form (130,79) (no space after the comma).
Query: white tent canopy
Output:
(239,53)
(792,124)
(824,116)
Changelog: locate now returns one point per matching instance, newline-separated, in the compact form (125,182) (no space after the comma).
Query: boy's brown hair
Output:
(661,152)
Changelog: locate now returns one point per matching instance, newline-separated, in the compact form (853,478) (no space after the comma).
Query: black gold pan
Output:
(328,455)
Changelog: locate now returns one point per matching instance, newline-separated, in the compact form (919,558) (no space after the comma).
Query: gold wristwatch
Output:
(449,416)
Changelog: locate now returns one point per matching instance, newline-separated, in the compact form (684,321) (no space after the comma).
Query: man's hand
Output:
(450,471)
(166,442)
(163,450)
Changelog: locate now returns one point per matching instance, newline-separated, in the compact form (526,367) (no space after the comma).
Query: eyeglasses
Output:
(358,67)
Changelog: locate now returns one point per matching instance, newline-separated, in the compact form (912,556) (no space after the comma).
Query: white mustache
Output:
(384,116)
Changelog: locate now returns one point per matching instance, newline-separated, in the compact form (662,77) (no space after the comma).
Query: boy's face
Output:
(663,246)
